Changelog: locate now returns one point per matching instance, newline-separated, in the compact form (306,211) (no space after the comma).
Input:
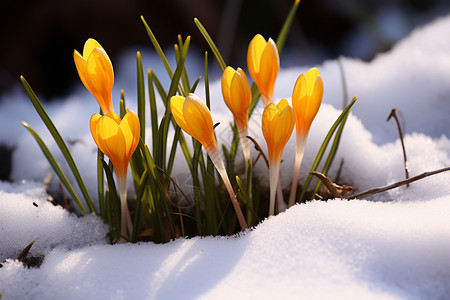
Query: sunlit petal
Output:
(116,138)
(306,99)
(199,120)
(176,106)
(96,72)
(263,65)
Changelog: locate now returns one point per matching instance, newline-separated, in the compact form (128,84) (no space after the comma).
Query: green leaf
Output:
(59,141)
(164,129)
(114,211)
(100,184)
(159,50)
(56,168)
(333,150)
(140,94)
(207,96)
(194,86)
(153,111)
(324,146)
(287,26)
(211,44)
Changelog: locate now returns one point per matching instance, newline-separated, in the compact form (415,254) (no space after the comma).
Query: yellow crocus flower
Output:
(194,117)
(263,64)
(118,138)
(237,95)
(96,73)
(277,125)
(306,100)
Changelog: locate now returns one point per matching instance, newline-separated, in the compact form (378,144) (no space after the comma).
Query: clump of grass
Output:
(156,213)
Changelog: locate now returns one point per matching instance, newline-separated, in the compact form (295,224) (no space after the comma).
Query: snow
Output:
(393,245)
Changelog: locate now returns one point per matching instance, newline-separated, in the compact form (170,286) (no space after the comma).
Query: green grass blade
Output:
(287,26)
(323,147)
(179,70)
(196,187)
(114,211)
(162,93)
(59,141)
(100,184)
(159,50)
(173,150)
(164,210)
(140,94)
(333,150)
(211,44)
(137,223)
(122,109)
(194,86)
(164,131)
(157,47)
(153,110)
(56,168)
(184,76)
(207,96)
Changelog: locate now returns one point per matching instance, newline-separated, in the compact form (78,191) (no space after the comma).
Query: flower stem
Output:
(216,158)
(245,144)
(274,169)
(126,228)
(300,151)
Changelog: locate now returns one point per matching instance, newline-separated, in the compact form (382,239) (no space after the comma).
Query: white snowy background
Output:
(395,245)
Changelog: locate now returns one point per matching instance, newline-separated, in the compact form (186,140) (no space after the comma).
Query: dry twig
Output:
(400,132)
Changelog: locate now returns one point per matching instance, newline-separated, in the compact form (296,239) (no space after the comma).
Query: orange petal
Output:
(199,120)
(131,129)
(176,106)
(306,99)
(254,54)
(90,45)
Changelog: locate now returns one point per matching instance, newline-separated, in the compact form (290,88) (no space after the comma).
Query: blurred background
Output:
(38,37)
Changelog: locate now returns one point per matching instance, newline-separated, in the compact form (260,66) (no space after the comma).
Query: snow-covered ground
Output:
(393,245)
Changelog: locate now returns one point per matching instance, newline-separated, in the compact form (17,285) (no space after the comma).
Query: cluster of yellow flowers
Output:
(118,138)
(278,121)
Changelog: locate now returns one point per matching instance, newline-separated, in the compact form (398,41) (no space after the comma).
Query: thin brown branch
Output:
(397,184)
(258,148)
(66,203)
(400,132)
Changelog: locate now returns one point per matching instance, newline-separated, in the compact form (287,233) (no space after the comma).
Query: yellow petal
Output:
(277,125)
(131,129)
(263,64)
(90,45)
(199,120)
(269,118)
(93,126)
(254,54)
(226,85)
(176,106)
(283,130)
(96,73)
(306,99)
(270,65)
(241,97)
(113,141)
(116,138)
